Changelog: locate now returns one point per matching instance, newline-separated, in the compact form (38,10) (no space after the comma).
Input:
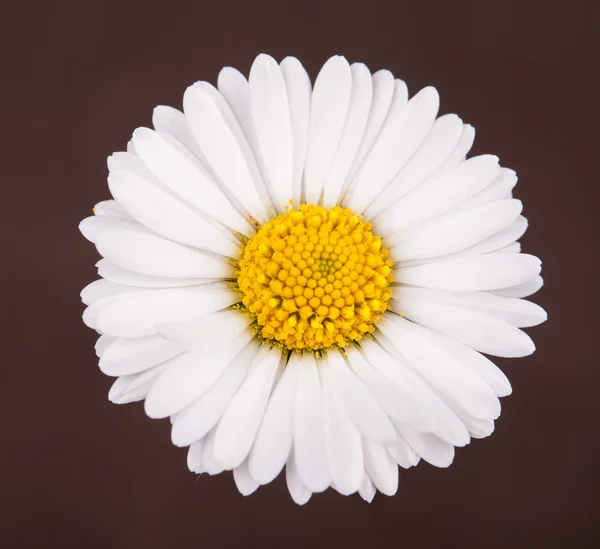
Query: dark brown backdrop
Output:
(79,76)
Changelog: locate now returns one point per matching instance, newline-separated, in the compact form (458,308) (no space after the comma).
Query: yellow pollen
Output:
(314,278)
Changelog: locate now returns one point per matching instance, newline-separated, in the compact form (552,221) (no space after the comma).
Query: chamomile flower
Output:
(308,278)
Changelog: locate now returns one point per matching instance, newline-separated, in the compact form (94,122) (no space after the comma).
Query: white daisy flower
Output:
(306,278)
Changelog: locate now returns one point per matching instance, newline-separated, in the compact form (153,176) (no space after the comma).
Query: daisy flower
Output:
(308,277)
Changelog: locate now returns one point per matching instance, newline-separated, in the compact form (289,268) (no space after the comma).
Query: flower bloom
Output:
(307,276)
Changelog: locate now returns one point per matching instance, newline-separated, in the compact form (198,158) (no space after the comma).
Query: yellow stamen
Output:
(314,278)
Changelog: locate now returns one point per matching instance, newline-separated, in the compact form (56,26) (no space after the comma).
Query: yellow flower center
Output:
(314,278)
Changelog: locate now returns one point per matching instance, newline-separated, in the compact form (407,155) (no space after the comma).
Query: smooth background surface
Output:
(79,76)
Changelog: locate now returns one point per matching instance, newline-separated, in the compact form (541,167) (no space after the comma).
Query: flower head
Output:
(314,278)
(307,277)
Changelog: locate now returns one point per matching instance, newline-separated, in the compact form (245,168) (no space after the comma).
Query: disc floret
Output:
(314,278)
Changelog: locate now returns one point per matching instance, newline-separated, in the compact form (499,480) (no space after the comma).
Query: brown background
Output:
(79,76)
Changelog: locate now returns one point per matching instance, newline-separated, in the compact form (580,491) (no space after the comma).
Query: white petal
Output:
(202,415)
(272,123)
(478,428)
(114,273)
(194,457)
(299,492)
(182,172)
(513,248)
(398,140)
(309,435)
(329,107)
(117,392)
(234,87)
(367,489)
(187,377)
(458,154)
(298,87)
(126,161)
(385,90)
(208,332)
(110,208)
(472,273)
(134,387)
(356,121)
(90,315)
(518,312)
(172,121)
(103,343)
(402,453)
(477,363)
(152,255)
(143,313)
(131,147)
(93,227)
(248,145)
(449,426)
(100,289)
(225,147)
(244,482)
(359,404)
(430,413)
(498,241)
(132,355)
(381,468)
(430,447)
(238,426)
(433,151)
(275,436)
(210,463)
(120,394)
(439,194)
(524,289)
(499,189)
(343,442)
(166,215)
(131,164)
(447,375)
(453,233)
(404,396)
